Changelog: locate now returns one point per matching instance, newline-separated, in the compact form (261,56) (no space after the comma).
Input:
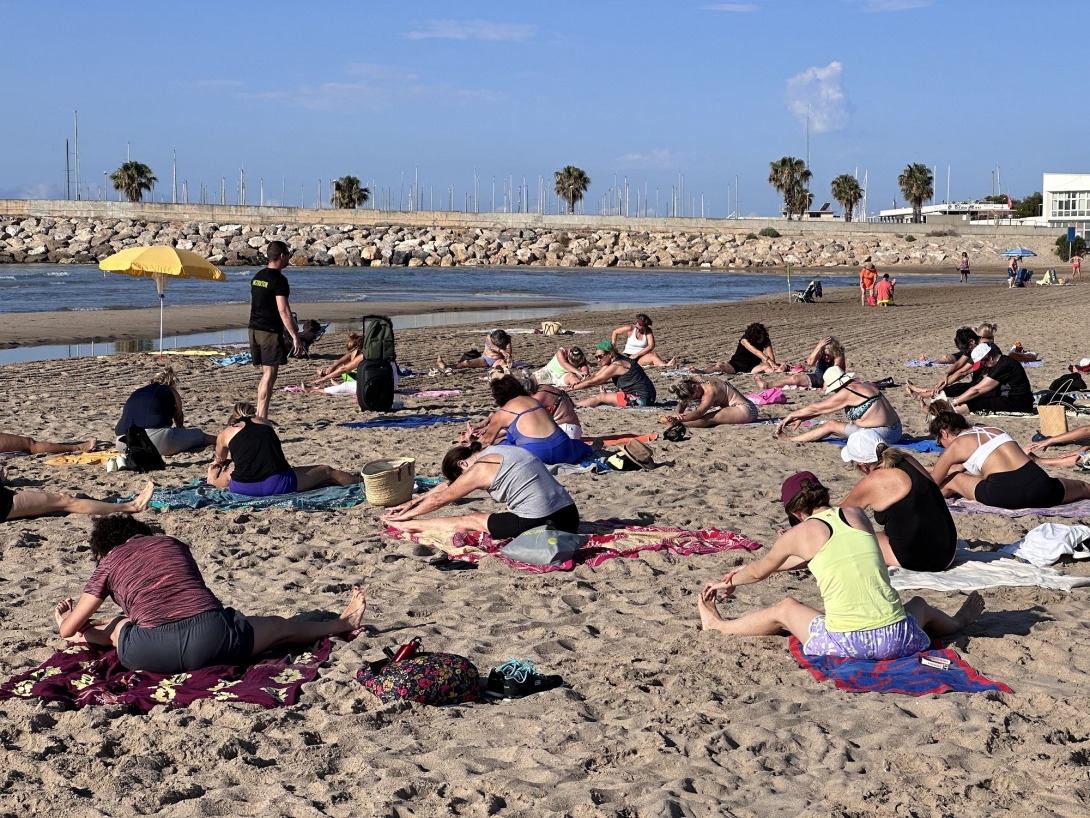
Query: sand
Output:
(661,718)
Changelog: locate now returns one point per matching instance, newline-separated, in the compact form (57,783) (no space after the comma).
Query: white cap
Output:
(1084,362)
(861,447)
(981,351)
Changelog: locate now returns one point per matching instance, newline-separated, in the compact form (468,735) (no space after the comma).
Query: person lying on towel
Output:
(864,617)
(170,622)
(509,474)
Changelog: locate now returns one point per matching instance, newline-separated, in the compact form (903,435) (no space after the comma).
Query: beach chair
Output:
(1023,276)
(809,295)
(305,353)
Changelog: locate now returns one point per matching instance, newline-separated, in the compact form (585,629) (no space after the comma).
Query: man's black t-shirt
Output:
(264,288)
(1013,382)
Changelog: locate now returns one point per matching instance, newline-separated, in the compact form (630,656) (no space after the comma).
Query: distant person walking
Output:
(963,268)
(1012,272)
(1076,267)
(270,317)
(867,276)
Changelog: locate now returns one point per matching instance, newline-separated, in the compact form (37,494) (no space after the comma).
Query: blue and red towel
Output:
(905,676)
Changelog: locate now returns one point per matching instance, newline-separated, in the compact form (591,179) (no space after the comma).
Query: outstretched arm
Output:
(72,619)
(1079,434)
(598,378)
(473,478)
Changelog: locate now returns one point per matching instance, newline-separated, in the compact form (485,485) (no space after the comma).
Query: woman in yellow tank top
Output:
(864,617)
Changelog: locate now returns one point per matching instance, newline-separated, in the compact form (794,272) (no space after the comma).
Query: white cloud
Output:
(730,7)
(894,5)
(40,190)
(658,158)
(472,30)
(375,87)
(818,91)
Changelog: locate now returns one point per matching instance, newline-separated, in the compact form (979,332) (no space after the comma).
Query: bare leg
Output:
(963,484)
(728,415)
(104,632)
(601,399)
(1069,459)
(458,525)
(309,477)
(270,631)
(787,614)
(1075,490)
(828,429)
(264,389)
(937,623)
(39,503)
(18,443)
(716,369)
(652,359)
(800,379)
(472,363)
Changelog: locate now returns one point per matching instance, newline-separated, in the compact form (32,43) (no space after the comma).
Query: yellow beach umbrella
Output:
(161,262)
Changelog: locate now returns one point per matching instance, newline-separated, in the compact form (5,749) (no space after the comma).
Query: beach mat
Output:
(82,458)
(407,422)
(973,570)
(925,445)
(200,494)
(1076,510)
(82,675)
(231,360)
(906,676)
(430,393)
(608,539)
(620,440)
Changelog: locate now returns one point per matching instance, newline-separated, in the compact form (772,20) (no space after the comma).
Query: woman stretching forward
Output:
(864,405)
(249,460)
(864,617)
(718,403)
(170,622)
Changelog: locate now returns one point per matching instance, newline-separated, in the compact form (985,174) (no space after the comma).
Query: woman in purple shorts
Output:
(250,461)
(864,617)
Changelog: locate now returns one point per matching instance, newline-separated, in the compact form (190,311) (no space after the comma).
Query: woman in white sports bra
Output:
(985,464)
(640,343)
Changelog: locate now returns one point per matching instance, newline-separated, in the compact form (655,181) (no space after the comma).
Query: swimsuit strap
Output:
(524,412)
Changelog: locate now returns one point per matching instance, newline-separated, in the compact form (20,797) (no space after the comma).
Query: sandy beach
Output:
(661,719)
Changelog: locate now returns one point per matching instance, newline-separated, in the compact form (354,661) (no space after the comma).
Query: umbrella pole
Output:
(160,325)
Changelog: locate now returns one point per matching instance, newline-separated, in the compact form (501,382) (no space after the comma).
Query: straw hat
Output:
(639,453)
(835,378)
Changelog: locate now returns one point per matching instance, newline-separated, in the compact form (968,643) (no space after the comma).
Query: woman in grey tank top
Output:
(510,475)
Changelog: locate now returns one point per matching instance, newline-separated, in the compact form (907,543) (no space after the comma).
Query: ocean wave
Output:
(58,274)
(7,278)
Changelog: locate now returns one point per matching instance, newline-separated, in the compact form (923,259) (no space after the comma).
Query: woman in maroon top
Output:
(170,621)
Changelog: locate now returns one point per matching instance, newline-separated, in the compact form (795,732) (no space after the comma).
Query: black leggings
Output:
(506,524)
(1027,487)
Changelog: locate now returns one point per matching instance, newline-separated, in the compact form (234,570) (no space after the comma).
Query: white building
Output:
(947,212)
(1067,201)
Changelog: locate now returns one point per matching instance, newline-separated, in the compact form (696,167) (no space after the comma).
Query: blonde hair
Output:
(834,349)
(165,377)
(888,458)
(241,410)
(685,389)
(354,342)
(987,327)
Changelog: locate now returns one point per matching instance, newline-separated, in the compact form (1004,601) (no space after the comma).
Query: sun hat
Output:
(861,447)
(796,483)
(834,378)
(639,453)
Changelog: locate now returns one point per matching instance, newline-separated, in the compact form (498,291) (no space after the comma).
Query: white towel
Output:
(973,570)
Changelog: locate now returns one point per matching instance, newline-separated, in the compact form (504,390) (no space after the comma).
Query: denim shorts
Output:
(890,435)
(903,638)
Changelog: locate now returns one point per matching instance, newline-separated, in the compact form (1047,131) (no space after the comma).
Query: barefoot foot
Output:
(672,362)
(142,500)
(970,610)
(357,607)
(89,445)
(709,614)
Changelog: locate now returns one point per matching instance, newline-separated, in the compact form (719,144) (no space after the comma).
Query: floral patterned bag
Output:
(428,678)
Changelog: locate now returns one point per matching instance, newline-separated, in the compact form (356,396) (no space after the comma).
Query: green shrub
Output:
(770,232)
(910,237)
(751,236)
(1078,247)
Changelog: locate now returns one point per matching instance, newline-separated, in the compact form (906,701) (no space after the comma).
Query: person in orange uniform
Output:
(867,276)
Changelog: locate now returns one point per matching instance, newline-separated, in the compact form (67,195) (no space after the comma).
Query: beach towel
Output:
(83,675)
(927,445)
(608,539)
(231,360)
(925,362)
(973,570)
(905,676)
(82,458)
(620,440)
(430,393)
(768,397)
(1073,511)
(591,465)
(200,494)
(408,422)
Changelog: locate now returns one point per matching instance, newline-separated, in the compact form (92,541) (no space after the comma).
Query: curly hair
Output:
(833,350)
(507,389)
(354,342)
(109,532)
(451,470)
(756,334)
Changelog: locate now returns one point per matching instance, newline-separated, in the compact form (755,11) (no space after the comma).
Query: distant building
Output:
(1066,200)
(948,213)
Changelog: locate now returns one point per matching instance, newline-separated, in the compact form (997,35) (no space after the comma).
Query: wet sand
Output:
(661,718)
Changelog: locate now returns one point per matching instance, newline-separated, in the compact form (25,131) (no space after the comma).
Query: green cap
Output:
(605,346)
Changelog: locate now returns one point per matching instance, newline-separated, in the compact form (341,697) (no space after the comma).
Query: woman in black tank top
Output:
(249,460)
(920,534)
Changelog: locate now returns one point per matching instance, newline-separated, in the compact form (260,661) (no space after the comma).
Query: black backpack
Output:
(378,338)
(375,386)
(140,451)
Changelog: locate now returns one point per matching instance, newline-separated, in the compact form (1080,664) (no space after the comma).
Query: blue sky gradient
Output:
(295,92)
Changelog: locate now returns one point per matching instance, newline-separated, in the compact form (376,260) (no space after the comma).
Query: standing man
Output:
(270,317)
(867,277)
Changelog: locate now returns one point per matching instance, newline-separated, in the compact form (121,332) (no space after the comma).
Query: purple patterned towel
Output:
(82,675)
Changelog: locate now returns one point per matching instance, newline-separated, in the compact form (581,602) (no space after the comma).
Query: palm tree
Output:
(134,179)
(917,186)
(846,191)
(790,176)
(347,193)
(571,184)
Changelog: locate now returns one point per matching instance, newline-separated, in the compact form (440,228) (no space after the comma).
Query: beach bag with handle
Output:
(140,452)
(378,338)
(550,327)
(389,482)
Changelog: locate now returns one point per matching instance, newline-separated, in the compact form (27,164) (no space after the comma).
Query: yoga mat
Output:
(408,422)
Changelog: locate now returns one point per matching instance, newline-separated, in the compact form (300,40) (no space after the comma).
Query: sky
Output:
(297,92)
